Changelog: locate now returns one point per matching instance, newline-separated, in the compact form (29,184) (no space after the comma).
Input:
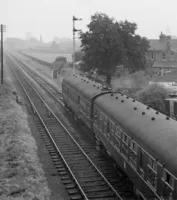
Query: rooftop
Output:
(161,43)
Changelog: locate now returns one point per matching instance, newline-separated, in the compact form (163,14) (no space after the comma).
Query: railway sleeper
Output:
(67,181)
(74,160)
(81,168)
(71,151)
(61,169)
(103,194)
(85,175)
(86,180)
(96,188)
(93,184)
(63,172)
(76,163)
(70,186)
(108,198)
(73,191)
(54,153)
(58,163)
(52,150)
(55,156)
(77,197)
(59,166)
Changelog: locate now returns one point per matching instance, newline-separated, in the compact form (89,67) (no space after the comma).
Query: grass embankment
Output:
(48,57)
(21,174)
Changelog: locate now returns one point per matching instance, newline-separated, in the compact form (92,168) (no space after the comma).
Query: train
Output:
(171,107)
(141,140)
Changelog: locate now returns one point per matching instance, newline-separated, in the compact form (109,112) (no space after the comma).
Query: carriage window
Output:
(118,131)
(163,55)
(141,158)
(111,126)
(172,55)
(133,146)
(168,178)
(96,114)
(101,116)
(125,138)
(152,163)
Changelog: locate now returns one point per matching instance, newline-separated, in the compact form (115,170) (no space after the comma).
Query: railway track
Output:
(41,81)
(92,182)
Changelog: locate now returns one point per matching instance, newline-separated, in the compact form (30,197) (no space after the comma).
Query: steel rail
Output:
(98,171)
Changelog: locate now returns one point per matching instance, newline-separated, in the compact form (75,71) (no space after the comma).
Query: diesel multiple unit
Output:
(141,140)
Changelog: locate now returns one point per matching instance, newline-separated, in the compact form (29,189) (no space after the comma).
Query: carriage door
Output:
(175,109)
(141,162)
(167,107)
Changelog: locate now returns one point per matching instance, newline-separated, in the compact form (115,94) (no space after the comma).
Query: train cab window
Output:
(152,163)
(168,178)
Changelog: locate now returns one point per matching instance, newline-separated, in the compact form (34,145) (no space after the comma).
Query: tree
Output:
(154,96)
(136,47)
(59,63)
(61,58)
(102,45)
(79,55)
(109,43)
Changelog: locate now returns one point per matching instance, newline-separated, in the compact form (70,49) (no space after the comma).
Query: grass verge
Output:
(21,174)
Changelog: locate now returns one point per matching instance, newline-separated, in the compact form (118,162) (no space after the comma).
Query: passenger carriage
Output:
(141,140)
(78,94)
(171,107)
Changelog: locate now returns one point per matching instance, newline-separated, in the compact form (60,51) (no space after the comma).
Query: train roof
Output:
(154,131)
(171,99)
(85,86)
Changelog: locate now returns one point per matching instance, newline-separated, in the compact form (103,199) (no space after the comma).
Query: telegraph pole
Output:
(74,30)
(2,30)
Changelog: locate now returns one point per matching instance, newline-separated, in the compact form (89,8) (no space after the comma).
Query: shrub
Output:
(60,58)
(78,55)
(154,96)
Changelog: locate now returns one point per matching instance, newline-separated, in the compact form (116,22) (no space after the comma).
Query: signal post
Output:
(2,29)
(74,30)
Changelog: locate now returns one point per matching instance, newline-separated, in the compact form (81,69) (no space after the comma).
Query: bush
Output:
(61,58)
(59,63)
(154,96)
(78,55)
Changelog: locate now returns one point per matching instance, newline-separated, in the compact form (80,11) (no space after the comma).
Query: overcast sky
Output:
(54,17)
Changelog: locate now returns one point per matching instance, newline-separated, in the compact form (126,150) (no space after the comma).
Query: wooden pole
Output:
(1,54)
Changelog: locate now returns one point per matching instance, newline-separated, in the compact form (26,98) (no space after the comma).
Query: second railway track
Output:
(79,174)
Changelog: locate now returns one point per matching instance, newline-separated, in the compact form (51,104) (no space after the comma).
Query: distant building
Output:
(54,45)
(163,52)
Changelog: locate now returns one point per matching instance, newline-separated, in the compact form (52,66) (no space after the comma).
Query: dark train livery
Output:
(171,107)
(141,140)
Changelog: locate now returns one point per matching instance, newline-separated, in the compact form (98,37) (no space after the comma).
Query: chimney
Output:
(162,37)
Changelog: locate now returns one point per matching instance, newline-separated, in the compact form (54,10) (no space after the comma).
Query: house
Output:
(163,52)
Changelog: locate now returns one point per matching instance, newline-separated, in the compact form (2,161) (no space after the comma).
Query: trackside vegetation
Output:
(154,96)
(21,174)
